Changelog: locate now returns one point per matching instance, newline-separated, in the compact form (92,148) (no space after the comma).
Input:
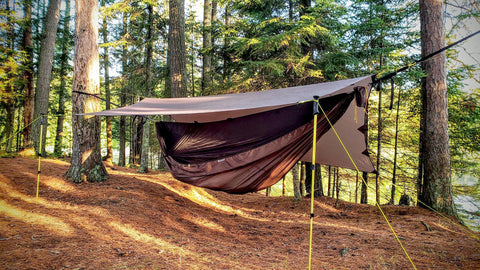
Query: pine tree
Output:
(64,67)
(86,163)
(45,71)
(176,48)
(436,188)
(29,91)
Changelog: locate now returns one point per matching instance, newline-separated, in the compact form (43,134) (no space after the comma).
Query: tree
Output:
(64,66)
(45,71)
(86,161)
(176,48)
(207,43)
(297,191)
(436,188)
(123,95)
(148,89)
(9,70)
(106,65)
(29,88)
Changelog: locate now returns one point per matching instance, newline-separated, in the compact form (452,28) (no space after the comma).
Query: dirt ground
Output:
(152,221)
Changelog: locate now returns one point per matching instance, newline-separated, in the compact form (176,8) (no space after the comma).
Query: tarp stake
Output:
(312,191)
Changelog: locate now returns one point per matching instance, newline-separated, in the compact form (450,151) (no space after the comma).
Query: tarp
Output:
(246,142)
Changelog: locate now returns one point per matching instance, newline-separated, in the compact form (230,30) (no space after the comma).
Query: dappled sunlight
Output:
(319,222)
(56,161)
(13,193)
(86,155)
(205,223)
(53,224)
(326,207)
(150,221)
(146,238)
(57,184)
(444,227)
(203,198)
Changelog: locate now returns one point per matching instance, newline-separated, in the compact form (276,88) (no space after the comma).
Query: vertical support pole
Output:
(312,192)
(42,123)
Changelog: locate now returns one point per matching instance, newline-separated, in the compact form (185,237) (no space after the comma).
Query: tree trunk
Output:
(9,101)
(356,188)
(86,161)
(318,184)
(45,71)
(297,191)
(437,186)
(123,100)
(63,80)
(106,65)
(148,91)
(363,192)
(28,73)
(9,126)
(329,193)
(226,44)
(303,188)
(395,150)
(337,186)
(308,178)
(379,147)
(207,43)
(176,45)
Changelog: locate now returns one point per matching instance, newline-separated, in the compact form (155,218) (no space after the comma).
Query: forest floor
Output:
(152,221)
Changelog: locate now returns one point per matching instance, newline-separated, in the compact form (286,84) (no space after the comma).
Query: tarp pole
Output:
(312,190)
(42,119)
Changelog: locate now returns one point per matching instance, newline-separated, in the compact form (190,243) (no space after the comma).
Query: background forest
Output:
(240,46)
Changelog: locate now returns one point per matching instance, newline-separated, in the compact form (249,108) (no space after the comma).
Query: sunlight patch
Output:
(144,237)
(58,184)
(54,224)
(203,222)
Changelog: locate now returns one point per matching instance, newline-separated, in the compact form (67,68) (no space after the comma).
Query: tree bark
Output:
(106,65)
(329,193)
(356,188)
(226,56)
(176,45)
(123,99)
(45,71)
(29,88)
(437,186)
(148,91)
(379,147)
(395,152)
(64,58)
(297,192)
(363,191)
(86,163)
(207,43)
(337,183)
(308,178)
(318,184)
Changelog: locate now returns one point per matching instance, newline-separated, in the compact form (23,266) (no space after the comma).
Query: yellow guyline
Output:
(355,165)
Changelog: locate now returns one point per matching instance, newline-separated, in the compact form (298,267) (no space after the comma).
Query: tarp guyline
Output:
(245,142)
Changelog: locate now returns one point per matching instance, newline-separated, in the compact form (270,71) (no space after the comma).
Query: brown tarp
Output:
(245,142)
